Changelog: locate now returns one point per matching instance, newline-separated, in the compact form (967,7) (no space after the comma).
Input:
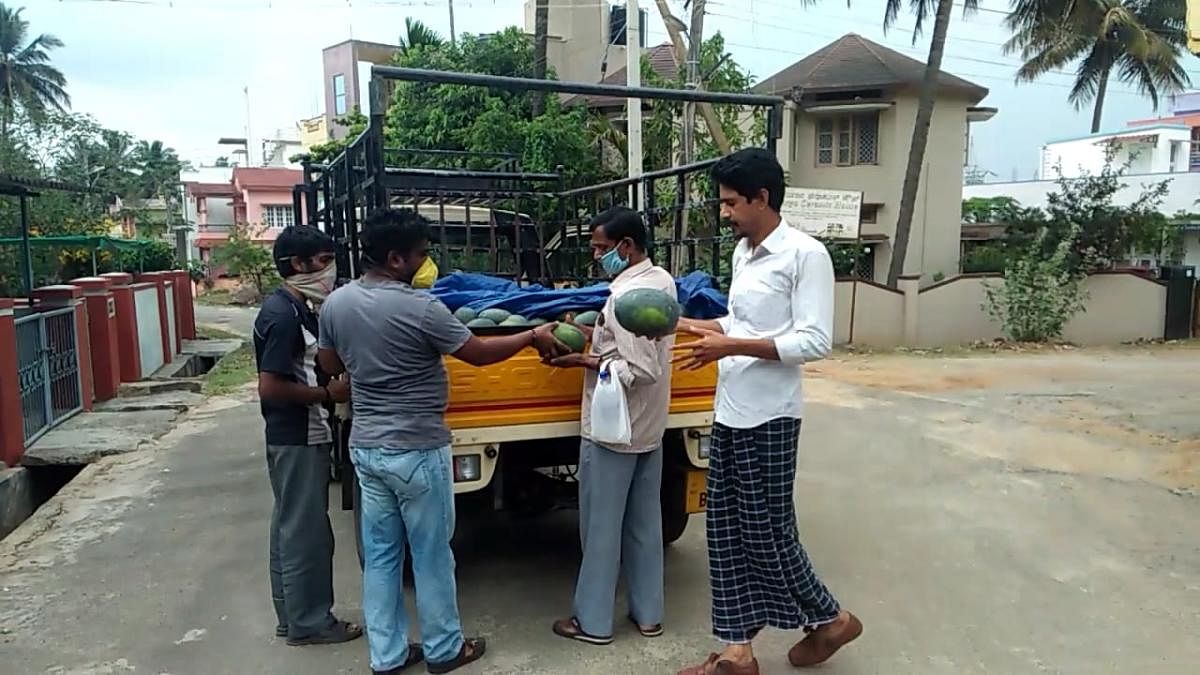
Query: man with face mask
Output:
(391,339)
(293,393)
(620,517)
(780,317)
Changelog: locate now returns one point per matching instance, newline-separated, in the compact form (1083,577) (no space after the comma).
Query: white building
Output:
(1154,154)
(1161,148)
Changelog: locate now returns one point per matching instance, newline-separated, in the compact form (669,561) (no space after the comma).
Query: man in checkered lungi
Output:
(780,317)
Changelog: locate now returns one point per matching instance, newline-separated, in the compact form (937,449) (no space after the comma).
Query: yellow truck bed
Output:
(523,390)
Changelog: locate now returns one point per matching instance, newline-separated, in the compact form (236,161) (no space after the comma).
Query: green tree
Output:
(1140,42)
(418,35)
(1039,294)
(246,258)
(27,80)
(1102,233)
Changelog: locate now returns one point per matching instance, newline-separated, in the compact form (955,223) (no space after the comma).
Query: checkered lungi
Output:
(759,572)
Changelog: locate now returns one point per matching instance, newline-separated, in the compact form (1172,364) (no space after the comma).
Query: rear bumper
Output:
(480,446)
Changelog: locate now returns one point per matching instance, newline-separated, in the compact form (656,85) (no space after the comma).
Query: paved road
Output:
(238,320)
(958,562)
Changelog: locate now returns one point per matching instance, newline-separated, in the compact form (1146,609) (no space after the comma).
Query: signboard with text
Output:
(829,214)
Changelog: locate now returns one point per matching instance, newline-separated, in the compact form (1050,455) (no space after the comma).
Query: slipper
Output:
(281,631)
(570,629)
(472,650)
(654,631)
(342,631)
(415,655)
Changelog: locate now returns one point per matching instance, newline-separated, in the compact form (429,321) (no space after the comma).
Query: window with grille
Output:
(848,140)
(277,216)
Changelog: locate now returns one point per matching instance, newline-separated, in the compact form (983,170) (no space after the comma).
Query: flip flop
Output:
(472,650)
(342,631)
(655,631)
(570,629)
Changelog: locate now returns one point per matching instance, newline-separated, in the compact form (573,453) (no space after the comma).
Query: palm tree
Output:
(417,34)
(27,80)
(941,10)
(1139,41)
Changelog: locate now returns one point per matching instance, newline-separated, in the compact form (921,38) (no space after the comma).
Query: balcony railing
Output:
(214,229)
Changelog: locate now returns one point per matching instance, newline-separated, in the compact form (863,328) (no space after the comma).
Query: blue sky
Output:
(175,69)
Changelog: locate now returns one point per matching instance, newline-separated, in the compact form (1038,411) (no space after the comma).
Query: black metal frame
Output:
(363,179)
(23,189)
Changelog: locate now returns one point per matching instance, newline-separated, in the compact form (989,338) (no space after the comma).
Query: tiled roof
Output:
(662,62)
(267,177)
(854,62)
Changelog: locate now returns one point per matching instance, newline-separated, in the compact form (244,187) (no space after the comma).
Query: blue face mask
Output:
(613,263)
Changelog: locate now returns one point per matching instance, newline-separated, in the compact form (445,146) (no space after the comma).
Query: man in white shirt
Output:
(780,317)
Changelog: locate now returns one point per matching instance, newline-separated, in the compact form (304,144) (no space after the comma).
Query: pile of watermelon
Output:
(645,312)
(501,319)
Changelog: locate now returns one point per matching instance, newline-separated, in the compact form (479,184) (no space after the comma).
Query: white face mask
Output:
(316,286)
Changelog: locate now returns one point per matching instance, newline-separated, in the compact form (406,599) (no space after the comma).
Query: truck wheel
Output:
(674,522)
(674,511)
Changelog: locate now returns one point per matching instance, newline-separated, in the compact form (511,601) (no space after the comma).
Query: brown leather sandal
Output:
(822,643)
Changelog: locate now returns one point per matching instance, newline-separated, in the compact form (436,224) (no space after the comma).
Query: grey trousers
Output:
(301,538)
(620,527)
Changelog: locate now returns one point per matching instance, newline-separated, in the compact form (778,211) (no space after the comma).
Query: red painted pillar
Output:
(185,307)
(102,332)
(52,297)
(12,420)
(168,346)
(129,351)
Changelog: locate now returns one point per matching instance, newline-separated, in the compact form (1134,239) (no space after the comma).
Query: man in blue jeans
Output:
(391,339)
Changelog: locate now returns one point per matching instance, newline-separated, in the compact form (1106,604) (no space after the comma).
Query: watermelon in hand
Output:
(647,312)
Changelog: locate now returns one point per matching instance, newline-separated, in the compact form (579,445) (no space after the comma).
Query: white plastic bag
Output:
(610,413)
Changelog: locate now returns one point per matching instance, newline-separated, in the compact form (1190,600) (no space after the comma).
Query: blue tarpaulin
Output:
(698,294)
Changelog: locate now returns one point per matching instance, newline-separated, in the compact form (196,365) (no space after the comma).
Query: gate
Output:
(48,370)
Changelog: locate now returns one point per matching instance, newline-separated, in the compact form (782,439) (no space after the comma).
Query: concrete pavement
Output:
(957,562)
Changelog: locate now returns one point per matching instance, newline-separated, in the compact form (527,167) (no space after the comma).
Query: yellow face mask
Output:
(426,275)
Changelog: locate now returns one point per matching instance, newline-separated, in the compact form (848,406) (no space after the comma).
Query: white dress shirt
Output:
(782,290)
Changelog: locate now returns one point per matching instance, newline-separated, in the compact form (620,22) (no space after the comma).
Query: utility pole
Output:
(687,153)
(633,70)
(451,3)
(706,109)
(695,40)
(541,29)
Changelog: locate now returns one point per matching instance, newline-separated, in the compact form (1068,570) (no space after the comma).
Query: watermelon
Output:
(647,312)
(587,318)
(465,314)
(481,323)
(570,336)
(495,315)
(515,320)
(537,322)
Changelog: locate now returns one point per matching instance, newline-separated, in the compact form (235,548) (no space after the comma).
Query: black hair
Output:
(750,171)
(302,242)
(392,230)
(622,222)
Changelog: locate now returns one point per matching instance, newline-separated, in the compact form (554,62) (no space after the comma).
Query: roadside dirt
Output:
(1122,414)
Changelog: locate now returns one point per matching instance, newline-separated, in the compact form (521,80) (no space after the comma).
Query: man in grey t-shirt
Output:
(391,339)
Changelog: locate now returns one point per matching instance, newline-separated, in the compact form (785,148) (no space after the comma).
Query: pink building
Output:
(258,198)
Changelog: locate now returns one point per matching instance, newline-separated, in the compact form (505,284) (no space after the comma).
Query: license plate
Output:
(697,493)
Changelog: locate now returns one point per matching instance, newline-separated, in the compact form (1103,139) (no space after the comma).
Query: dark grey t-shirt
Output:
(392,338)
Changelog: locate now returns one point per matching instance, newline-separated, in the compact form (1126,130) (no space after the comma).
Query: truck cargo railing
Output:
(491,216)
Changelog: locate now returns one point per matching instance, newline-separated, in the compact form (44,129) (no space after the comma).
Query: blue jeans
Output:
(408,496)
